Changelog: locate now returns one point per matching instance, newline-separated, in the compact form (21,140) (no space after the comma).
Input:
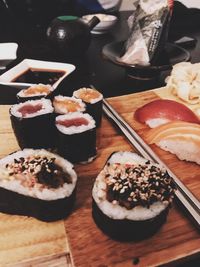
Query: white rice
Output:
(115,211)
(22,92)
(46,194)
(93,101)
(63,110)
(126,157)
(183,149)
(46,108)
(75,129)
(152,123)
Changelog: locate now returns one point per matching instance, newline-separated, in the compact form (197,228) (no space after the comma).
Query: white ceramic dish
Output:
(106,22)
(8,53)
(9,76)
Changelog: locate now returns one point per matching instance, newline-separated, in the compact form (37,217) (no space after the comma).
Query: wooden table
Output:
(178,240)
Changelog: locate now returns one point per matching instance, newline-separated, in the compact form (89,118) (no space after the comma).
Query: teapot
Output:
(70,35)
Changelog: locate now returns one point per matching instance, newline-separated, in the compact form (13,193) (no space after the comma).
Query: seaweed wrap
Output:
(34,92)
(33,123)
(37,183)
(93,100)
(76,137)
(131,197)
(66,104)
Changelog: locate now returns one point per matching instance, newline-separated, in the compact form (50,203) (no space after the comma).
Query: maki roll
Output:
(93,100)
(37,183)
(34,92)
(33,123)
(76,137)
(131,197)
(65,104)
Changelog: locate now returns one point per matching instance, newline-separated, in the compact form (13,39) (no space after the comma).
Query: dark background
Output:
(27,26)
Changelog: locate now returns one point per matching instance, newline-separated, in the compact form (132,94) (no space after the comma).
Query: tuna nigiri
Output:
(179,138)
(162,111)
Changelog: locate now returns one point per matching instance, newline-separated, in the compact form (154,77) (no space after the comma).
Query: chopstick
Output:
(184,195)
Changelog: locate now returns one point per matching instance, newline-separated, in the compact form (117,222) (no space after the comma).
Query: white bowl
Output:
(106,22)
(8,53)
(9,77)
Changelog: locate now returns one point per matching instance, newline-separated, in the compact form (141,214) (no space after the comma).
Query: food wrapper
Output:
(148,26)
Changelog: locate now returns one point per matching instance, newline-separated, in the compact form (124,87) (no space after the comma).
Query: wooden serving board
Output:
(177,240)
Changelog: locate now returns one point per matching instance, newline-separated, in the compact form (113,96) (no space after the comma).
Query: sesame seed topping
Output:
(133,185)
(38,170)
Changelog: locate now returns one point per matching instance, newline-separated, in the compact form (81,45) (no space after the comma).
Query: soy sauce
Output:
(39,76)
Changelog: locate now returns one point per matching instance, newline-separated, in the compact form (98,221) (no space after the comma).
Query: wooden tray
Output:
(177,240)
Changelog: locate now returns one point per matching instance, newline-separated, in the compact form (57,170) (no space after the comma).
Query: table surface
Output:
(92,68)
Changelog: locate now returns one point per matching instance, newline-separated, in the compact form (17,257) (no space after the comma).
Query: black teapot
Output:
(70,35)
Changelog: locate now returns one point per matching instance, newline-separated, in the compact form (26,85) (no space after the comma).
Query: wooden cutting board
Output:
(26,241)
(177,240)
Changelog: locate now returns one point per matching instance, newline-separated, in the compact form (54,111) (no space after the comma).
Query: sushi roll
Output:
(34,92)
(33,123)
(37,183)
(131,197)
(76,137)
(65,104)
(93,100)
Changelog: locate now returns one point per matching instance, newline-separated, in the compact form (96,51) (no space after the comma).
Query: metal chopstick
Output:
(188,200)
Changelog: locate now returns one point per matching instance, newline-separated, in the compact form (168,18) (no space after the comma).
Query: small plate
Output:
(8,53)
(106,22)
(9,76)
(171,55)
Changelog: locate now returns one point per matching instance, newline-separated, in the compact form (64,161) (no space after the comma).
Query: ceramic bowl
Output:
(39,67)
(171,55)
(8,53)
(106,22)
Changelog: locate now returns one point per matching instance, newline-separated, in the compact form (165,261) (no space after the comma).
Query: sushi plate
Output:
(11,76)
(177,241)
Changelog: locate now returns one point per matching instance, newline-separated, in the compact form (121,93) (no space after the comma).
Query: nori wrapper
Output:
(127,230)
(26,98)
(52,210)
(78,147)
(35,132)
(95,110)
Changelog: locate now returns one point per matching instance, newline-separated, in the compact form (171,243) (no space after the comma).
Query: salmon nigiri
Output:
(179,138)
(162,111)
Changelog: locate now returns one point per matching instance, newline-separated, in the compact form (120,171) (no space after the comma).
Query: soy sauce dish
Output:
(30,72)
(106,22)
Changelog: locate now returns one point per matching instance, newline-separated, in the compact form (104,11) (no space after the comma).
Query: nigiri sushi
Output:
(162,111)
(179,138)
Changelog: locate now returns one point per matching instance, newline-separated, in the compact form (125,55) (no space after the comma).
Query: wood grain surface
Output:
(177,240)
(25,241)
